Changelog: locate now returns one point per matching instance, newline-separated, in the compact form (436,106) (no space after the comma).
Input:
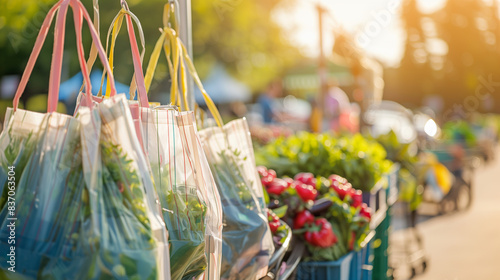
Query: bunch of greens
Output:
(360,160)
(244,226)
(126,239)
(184,215)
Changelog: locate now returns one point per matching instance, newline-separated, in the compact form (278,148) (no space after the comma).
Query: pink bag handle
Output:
(136,57)
(56,64)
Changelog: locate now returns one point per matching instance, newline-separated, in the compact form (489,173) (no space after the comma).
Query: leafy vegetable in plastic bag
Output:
(245,225)
(179,183)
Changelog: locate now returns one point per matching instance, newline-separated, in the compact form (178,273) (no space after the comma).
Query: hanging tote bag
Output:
(40,177)
(55,217)
(115,117)
(184,182)
(247,241)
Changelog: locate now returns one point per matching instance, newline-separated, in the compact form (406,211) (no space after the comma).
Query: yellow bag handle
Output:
(177,59)
(113,31)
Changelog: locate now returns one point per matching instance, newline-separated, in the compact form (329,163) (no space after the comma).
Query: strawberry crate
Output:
(334,270)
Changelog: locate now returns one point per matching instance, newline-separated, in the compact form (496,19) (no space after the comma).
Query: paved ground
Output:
(463,246)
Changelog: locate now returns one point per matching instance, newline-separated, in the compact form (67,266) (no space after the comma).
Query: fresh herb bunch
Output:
(360,160)
(118,170)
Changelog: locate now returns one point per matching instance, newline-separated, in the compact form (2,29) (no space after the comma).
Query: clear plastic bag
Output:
(191,208)
(131,233)
(43,152)
(83,205)
(247,241)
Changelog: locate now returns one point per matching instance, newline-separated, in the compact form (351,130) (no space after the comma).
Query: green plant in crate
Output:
(360,160)
(459,131)
(340,221)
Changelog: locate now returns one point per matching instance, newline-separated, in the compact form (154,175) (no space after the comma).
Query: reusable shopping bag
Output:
(73,216)
(183,180)
(246,239)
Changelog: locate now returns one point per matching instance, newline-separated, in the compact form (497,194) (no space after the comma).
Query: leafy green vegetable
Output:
(60,239)
(361,161)
(244,227)
(184,215)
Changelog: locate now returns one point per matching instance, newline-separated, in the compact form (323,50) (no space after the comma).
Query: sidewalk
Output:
(465,246)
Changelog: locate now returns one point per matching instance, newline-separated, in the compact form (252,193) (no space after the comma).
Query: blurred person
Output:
(267,101)
(336,107)
(238,109)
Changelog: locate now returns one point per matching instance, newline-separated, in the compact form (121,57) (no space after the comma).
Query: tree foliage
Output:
(239,34)
(468,30)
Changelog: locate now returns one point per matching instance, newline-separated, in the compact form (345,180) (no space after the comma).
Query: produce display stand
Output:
(367,267)
(381,269)
(289,268)
(361,261)
(338,270)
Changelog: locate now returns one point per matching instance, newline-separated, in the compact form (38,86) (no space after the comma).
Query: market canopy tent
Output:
(223,88)
(68,90)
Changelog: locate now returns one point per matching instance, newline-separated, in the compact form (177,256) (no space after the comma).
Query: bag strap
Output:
(177,57)
(137,58)
(42,34)
(93,49)
(56,65)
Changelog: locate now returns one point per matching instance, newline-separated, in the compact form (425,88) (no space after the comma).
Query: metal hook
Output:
(167,107)
(124,5)
(174,5)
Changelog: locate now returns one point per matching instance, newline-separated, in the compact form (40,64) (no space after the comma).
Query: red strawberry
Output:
(365,211)
(303,218)
(306,192)
(271,173)
(336,180)
(262,171)
(306,178)
(277,186)
(356,197)
(290,182)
